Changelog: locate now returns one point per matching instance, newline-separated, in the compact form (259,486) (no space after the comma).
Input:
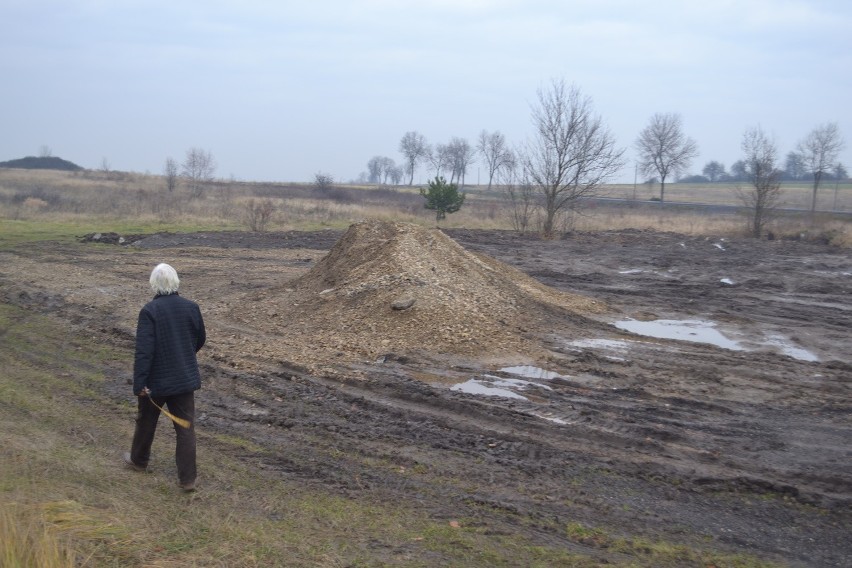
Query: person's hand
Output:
(144,392)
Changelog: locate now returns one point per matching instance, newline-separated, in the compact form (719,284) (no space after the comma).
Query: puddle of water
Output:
(474,386)
(789,349)
(614,344)
(702,331)
(699,331)
(531,372)
(513,383)
(553,419)
(490,385)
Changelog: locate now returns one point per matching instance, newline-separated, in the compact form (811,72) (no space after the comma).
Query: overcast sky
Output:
(280,90)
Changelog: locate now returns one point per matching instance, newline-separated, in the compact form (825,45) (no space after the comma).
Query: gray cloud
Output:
(280,90)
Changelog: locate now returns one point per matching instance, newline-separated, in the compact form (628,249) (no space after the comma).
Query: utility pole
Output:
(635,175)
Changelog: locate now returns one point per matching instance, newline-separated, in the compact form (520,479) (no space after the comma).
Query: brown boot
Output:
(131,465)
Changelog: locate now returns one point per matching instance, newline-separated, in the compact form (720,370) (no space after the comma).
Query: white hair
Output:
(164,280)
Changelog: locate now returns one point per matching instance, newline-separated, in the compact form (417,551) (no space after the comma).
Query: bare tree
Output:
(374,169)
(388,167)
(495,152)
(44,151)
(738,171)
(520,196)
(664,149)
(764,176)
(819,152)
(461,156)
(439,157)
(381,168)
(323,182)
(414,148)
(395,174)
(572,153)
(714,171)
(198,169)
(170,172)
(794,167)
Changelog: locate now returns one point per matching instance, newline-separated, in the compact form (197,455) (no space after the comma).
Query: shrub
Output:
(259,213)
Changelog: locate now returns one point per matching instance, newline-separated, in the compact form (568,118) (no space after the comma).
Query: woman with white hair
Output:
(169,333)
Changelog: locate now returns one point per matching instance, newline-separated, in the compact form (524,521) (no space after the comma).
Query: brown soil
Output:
(451,301)
(745,451)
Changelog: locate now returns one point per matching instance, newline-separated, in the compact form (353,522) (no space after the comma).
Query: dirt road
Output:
(735,437)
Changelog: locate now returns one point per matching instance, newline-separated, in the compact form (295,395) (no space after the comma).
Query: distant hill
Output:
(46,163)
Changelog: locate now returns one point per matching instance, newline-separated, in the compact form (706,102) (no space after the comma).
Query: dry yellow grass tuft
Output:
(27,539)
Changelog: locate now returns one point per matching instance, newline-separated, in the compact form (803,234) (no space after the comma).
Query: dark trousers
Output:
(182,406)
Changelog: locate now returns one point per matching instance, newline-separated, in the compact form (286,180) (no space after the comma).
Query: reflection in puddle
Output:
(614,344)
(515,383)
(685,330)
(475,386)
(702,331)
(489,385)
(531,372)
(791,350)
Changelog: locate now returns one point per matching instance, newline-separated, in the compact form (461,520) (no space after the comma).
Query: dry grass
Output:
(121,202)
(27,539)
(837,231)
(66,500)
(793,194)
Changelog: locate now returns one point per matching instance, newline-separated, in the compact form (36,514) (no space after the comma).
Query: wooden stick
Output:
(179,421)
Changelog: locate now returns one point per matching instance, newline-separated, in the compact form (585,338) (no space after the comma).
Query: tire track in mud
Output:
(467,463)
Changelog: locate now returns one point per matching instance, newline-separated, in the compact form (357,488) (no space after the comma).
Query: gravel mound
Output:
(389,287)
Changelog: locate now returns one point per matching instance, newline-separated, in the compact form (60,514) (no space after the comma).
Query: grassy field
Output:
(35,202)
(67,500)
(832,196)
(64,492)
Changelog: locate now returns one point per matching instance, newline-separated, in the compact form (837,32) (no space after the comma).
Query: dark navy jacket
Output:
(169,332)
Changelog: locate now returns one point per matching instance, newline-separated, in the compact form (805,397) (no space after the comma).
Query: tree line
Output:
(797,166)
(572,154)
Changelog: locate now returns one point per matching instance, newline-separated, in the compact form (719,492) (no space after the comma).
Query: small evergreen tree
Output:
(442,197)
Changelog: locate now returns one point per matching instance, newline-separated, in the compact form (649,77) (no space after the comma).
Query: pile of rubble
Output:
(389,287)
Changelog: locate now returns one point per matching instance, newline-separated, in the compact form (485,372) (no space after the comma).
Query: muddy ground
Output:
(743,449)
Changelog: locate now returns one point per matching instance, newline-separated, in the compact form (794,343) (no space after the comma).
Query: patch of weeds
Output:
(232,440)
(18,232)
(658,553)
(86,522)
(27,540)
(590,536)
(469,546)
